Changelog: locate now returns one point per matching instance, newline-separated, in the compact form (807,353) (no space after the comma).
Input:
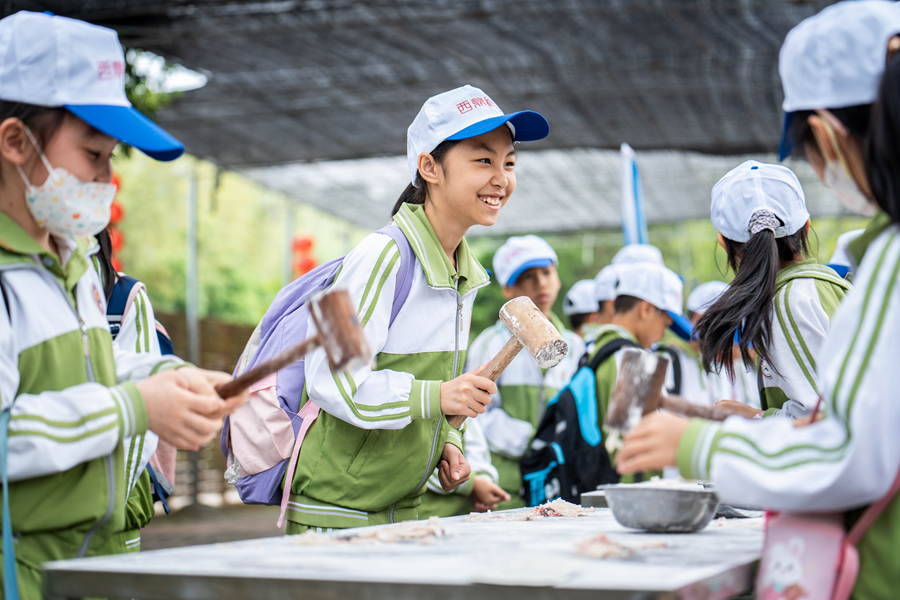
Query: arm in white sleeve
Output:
(370,399)
(52,432)
(850,458)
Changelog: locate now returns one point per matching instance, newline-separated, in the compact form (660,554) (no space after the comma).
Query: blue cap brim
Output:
(841,270)
(529,125)
(786,146)
(130,127)
(537,262)
(681,326)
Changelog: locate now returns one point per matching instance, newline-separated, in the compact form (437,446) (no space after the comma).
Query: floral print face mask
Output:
(64,205)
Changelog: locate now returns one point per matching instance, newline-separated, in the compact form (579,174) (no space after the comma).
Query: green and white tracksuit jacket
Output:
(847,460)
(806,295)
(436,502)
(72,401)
(137,333)
(693,380)
(523,389)
(380,434)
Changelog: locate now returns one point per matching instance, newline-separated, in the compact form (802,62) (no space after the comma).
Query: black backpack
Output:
(567,456)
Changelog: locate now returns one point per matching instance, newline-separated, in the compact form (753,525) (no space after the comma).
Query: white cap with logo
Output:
(835,58)
(638,253)
(463,113)
(659,286)
(53,61)
(605,283)
(703,296)
(519,254)
(754,187)
(580,299)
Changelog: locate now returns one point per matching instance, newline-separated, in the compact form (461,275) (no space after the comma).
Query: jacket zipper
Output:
(457,327)
(108,460)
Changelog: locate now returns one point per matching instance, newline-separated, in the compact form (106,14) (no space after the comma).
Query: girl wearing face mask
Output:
(69,398)
(382,430)
(851,457)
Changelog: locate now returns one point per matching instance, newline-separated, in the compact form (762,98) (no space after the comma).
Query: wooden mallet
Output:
(339,332)
(530,329)
(638,392)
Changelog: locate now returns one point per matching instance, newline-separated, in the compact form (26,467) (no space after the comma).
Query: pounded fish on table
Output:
(404,532)
(601,546)
(556,508)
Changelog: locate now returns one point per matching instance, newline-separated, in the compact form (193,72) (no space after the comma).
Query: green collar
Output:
(16,246)
(439,271)
(809,269)
(608,333)
(858,246)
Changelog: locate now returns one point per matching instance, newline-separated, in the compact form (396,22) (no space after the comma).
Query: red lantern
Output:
(116,182)
(116,238)
(303,243)
(117,264)
(115,213)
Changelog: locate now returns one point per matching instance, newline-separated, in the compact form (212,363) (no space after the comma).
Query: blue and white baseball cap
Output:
(753,186)
(659,286)
(520,253)
(638,253)
(605,283)
(580,299)
(53,61)
(463,113)
(835,59)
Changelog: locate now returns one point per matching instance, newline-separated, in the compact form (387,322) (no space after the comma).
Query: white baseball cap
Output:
(519,254)
(835,59)
(703,296)
(638,253)
(463,113)
(753,186)
(53,61)
(841,261)
(605,283)
(659,286)
(580,299)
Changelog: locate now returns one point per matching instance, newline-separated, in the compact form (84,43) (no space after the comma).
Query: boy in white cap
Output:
(780,300)
(582,308)
(638,253)
(524,266)
(648,302)
(70,398)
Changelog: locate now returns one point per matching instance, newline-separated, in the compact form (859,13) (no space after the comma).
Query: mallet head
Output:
(534,331)
(339,330)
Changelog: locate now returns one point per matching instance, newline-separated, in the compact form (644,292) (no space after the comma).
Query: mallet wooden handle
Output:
(684,407)
(248,378)
(493,369)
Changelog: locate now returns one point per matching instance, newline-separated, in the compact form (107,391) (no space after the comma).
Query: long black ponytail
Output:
(746,306)
(416,194)
(882,149)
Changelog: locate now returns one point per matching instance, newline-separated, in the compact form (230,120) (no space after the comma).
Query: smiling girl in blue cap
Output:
(382,430)
(68,398)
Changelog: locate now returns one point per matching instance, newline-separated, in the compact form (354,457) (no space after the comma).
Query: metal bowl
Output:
(661,510)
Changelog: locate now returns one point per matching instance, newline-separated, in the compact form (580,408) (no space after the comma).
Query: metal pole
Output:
(193,328)
(287,264)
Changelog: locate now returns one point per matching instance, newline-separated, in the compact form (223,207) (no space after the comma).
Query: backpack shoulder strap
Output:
(608,350)
(407,263)
(120,295)
(676,368)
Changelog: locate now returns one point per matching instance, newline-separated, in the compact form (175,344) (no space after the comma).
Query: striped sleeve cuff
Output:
(130,410)
(171,362)
(696,448)
(466,488)
(425,399)
(454,436)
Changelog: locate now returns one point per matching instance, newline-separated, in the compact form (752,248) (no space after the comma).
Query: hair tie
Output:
(763,219)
